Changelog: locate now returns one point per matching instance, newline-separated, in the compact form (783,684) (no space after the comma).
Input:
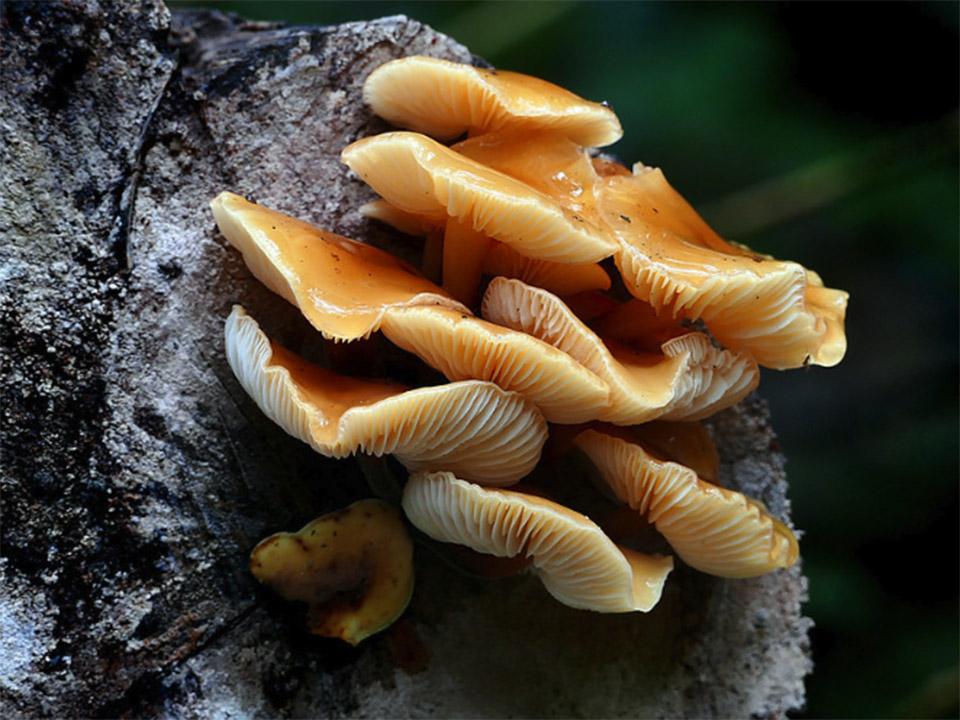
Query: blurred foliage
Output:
(825,133)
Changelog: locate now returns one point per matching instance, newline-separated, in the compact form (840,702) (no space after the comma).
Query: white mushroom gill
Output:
(577,563)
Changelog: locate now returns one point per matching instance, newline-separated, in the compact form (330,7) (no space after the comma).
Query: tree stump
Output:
(137,476)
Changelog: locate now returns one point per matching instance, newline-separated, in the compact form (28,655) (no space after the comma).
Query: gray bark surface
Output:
(137,476)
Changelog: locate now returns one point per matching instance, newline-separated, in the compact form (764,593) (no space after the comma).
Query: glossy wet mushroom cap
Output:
(473,428)
(343,287)
(420,176)
(445,99)
(776,311)
(578,564)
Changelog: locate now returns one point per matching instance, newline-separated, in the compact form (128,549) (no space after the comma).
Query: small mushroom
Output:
(577,563)
(715,530)
(473,428)
(688,379)
(343,287)
(445,99)
(353,568)
(777,311)
(464,347)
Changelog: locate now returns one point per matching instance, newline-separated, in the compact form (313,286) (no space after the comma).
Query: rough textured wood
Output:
(136,475)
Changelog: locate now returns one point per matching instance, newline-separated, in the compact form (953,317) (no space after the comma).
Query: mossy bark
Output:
(137,476)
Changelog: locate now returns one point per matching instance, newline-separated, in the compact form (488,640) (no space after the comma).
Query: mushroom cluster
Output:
(524,222)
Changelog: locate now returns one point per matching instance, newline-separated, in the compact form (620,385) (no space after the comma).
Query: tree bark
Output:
(136,474)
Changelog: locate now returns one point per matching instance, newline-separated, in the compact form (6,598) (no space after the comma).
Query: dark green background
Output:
(827,134)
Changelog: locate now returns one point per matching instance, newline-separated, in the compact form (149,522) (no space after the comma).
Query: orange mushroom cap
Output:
(473,428)
(463,347)
(715,530)
(420,176)
(343,287)
(555,167)
(549,163)
(577,563)
(446,99)
(774,310)
(688,379)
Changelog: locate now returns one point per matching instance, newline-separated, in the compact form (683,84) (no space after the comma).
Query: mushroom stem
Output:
(463,252)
